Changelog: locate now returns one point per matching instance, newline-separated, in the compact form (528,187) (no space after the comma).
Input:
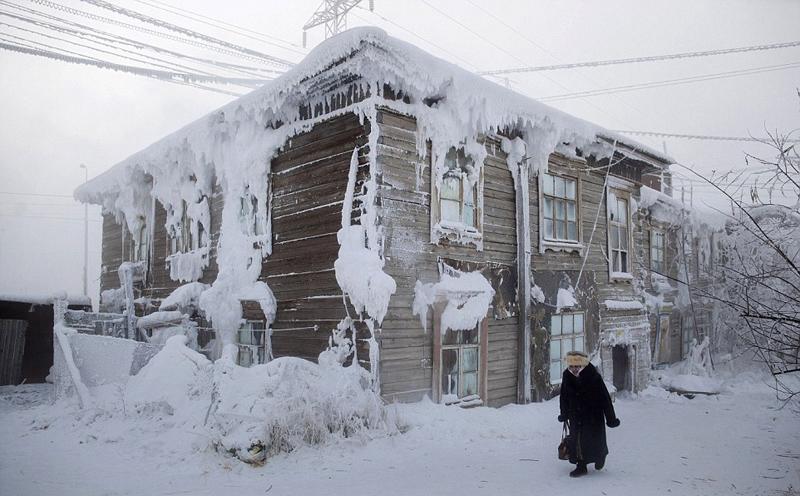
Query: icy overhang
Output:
(472,104)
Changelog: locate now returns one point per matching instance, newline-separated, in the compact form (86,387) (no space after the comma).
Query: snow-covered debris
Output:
(468,296)
(279,406)
(175,381)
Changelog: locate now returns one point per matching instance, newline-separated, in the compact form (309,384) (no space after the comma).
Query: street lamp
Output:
(85,235)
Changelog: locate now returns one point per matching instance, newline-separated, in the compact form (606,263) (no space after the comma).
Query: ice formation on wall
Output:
(467,296)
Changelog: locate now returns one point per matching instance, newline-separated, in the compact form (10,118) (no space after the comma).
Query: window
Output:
(566,334)
(457,203)
(657,251)
(187,234)
(141,242)
(559,208)
(619,233)
(459,365)
(458,197)
(253,343)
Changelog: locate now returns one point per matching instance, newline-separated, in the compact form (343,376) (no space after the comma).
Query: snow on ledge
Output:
(45,298)
(623,305)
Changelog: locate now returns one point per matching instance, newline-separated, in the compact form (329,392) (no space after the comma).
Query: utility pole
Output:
(85,236)
(332,13)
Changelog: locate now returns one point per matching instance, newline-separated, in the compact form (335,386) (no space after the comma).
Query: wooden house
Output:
(355,194)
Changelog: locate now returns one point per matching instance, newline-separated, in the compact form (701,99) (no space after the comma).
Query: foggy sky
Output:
(56,116)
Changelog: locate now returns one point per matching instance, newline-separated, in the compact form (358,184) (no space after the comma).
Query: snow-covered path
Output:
(737,443)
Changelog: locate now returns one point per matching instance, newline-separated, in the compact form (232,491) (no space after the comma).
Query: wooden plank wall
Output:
(595,284)
(12,348)
(309,180)
(112,255)
(406,361)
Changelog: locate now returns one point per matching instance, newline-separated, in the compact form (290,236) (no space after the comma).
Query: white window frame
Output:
(658,253)
(555,243)
(619,188)
(458,231)
(557,353)
(450,397)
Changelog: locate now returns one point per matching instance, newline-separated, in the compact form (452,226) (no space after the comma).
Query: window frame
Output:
(655,249)
(560,338)
(620,189)
(482,345)
(247,325)
(448,229)
(557,244)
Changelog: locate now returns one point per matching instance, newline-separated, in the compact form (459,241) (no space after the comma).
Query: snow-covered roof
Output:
(471,104)
(45,298)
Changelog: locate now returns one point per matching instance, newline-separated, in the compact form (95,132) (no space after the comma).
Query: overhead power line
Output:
(186,32)
(174,77)
(670,82)
(698,136)
(92,34)
(635,60)
(115,22)
(225,26)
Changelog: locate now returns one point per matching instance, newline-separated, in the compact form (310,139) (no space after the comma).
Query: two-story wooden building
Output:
(362,192)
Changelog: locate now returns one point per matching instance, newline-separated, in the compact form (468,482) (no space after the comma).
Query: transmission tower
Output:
(332,13)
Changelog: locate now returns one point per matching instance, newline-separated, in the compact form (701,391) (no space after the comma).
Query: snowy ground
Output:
(737,443)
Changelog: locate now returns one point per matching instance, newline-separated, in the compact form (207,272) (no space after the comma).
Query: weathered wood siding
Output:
(406,361)
(111,252)
(309,180)
(595,285)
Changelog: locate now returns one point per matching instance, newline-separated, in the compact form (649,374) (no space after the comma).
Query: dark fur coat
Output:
(586,404)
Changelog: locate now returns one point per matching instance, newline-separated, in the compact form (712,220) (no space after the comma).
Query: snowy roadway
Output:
(739,443)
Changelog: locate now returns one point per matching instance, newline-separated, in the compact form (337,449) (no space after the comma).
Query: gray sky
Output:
(57,115)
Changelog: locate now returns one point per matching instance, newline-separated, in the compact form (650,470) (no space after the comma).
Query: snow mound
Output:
(174,382)
(290,402)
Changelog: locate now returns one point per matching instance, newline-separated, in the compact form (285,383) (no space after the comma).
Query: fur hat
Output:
(577,358)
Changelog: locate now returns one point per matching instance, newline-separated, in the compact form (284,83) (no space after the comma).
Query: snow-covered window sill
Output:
(565,246)
(621,277)
(458,234)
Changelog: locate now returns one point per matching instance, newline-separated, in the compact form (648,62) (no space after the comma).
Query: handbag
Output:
(565,444)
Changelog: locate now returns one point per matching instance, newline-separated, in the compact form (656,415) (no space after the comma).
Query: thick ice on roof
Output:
(477,104)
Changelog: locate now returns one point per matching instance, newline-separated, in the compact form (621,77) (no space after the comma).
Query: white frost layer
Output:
(623,305)
(359,266)
(468,296)
(186,267)
(159,319)
(565,299)
(174,381)
(183,297)
(359,272)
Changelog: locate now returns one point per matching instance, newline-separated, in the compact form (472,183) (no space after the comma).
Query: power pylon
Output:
(332,13)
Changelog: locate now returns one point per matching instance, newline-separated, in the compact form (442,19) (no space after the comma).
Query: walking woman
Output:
(586,406)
